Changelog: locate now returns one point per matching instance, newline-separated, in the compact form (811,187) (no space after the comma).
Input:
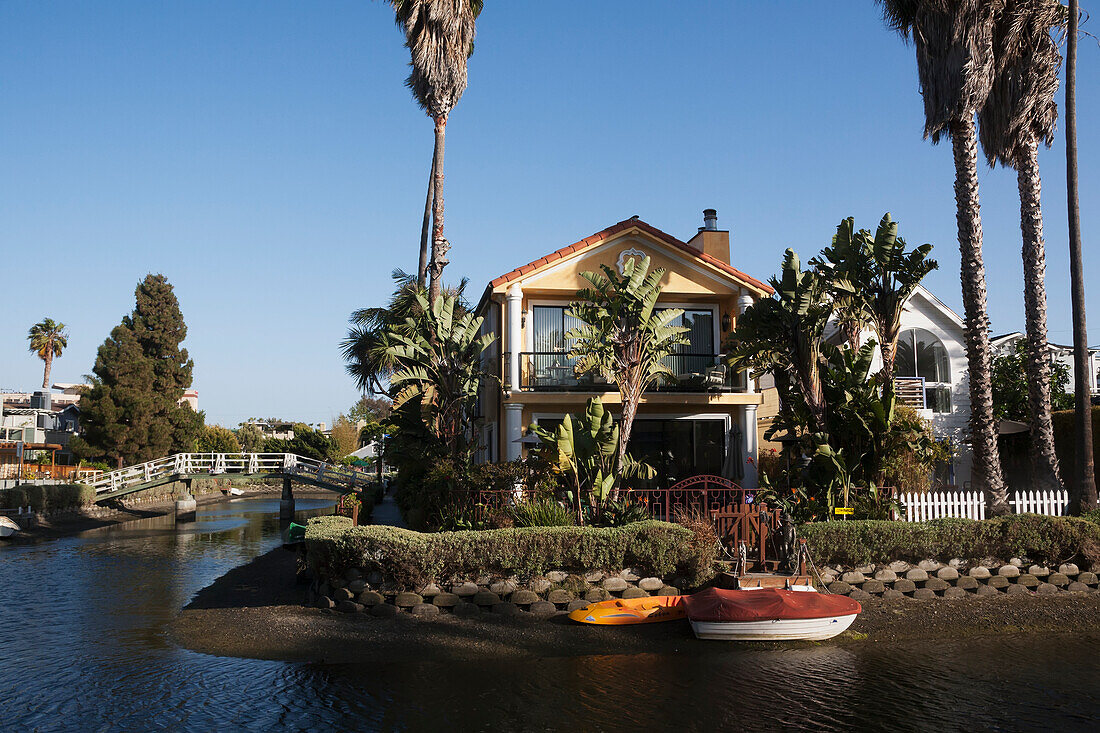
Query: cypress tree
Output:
(132,413)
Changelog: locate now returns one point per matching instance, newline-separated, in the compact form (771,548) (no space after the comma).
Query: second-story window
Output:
(921,354)
(549,325)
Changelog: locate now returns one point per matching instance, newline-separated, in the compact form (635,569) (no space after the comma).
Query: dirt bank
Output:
(255,611)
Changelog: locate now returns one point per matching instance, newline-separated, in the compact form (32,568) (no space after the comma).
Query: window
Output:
(550,323)
(921,354)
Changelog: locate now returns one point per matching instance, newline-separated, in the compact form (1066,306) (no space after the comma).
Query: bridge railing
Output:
(185,464)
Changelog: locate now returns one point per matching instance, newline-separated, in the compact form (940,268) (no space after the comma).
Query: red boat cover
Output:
(767,604)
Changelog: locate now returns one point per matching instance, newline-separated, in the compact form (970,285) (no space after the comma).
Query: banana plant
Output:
(582,450)
(437,358)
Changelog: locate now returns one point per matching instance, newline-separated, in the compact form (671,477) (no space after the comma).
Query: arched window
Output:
(921,354)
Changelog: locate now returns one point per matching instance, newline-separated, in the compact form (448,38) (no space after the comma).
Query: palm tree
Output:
(365,348)
(1084,496)
(954,46)
(47,339)
(1019,113)
(625,337)
(880,276)
(440,37)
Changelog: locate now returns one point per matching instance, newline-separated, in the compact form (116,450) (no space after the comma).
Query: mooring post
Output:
(185,503)
(286,506)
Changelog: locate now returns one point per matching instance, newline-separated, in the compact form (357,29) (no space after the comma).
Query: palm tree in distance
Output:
(440,37)
(47,339)
(954,45)
(1019,114)
(1084,496)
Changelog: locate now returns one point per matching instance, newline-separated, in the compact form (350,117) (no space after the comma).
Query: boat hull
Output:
(627,612)
(810,629)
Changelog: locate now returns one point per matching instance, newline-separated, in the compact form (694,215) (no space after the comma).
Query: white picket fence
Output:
(935,505)
(971,504)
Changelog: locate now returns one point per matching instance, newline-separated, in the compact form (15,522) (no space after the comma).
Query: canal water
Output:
(83,647)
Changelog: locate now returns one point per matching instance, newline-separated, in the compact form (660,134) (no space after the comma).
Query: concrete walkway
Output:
(387,513)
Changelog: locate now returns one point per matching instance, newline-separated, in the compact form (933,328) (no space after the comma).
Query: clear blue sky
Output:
(266,157)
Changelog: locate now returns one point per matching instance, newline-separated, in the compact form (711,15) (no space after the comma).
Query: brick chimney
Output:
(710,239)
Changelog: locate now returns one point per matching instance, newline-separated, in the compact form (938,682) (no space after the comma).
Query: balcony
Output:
(910,391)
(553,371)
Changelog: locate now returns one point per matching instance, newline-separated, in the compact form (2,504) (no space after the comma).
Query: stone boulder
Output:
(446,600)
(886,575)
(595,595)
(924,594)
(916,575)
(357,586)
(324,602)
(1076,586)
(978,571)
(560,596)
(1009,571)
(543,608)
(384,610)
(955,592)
(998,581)
(629,575)
(669,590)
(503,587)
(967,583)
(891,594)
(1058,579)
(986,590)
(407,600)
(840,588)
(935,584)
(899,566)
(425,609)
(615,585)
(947,573)
(1068,569)
(540,585)
(557,576)
(1017,561)
(430,590)
(1015,589)
(860,595)
(342,594)
(371,598)
(904,585)
(524,597)
(1087,578)
(465,590)
(633,592)
(930,566)
(467,610)
(1038,571)
(865,569)
(485,598)
(650,584)
(1046,589)
(1028,581)
(873,586)
(594,576)
(575,605)
(853,578)
(506,609)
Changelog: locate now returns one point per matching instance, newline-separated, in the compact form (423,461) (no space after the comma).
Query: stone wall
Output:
(543,596)
(957,579)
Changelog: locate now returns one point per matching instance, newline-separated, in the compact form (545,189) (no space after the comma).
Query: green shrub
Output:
(1065,442)
(542,513)
(412,559)
(48,497)
(1044,539)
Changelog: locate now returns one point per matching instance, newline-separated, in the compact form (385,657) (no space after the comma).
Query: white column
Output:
(748,433)
(743,304)
(514,333)
(513,431)
(748,416)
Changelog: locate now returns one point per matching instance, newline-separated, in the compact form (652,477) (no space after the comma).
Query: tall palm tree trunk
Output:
(425,230)
(987,473)
(1044,459)
(1084,493)
(440,246)
(49,366)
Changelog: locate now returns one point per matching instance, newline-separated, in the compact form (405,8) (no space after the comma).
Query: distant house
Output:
(703,422)
(278,429)
(1006,343)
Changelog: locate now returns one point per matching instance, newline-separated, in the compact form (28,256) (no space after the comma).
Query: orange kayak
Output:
(620,611)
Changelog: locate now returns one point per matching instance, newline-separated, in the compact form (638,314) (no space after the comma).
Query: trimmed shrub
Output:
(1065,442)
(411,559)
(1047,539)
(48,497)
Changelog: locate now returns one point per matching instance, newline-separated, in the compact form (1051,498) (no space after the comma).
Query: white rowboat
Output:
(768,614)
(8,527)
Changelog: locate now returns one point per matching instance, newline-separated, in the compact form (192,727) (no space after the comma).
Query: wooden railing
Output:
(910,391)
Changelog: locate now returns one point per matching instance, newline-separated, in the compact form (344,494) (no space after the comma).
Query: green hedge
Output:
(1065,442)
(411,559)
(47,498)
(1043,539)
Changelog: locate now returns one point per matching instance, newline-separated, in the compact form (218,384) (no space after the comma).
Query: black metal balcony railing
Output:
(553,371)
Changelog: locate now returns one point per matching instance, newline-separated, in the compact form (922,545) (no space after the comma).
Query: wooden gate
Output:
(736,517)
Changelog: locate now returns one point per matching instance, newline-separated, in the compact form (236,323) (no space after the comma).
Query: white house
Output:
(1058,352)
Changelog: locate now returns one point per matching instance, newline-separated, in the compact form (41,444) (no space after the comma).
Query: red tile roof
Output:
(615,229)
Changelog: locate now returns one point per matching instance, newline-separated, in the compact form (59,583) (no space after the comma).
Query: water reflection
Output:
(84,648)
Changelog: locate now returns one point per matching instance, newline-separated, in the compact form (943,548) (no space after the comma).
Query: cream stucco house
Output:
(704,423)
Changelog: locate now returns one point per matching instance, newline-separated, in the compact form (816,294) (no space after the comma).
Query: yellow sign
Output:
(843,510)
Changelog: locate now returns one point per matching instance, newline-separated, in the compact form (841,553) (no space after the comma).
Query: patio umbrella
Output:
(733,467)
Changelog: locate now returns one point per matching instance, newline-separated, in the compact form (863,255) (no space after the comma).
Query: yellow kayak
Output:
(621,611)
